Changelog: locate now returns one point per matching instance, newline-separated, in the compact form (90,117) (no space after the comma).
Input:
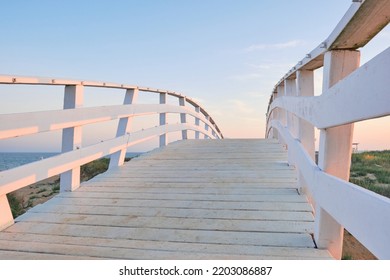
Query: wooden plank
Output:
(367,22)
(176,212)
(23,255)
(200,172)
(187,190)
(198,180)
(262,251)
(192,197)
(110,253)
(258,185)
(12,180)
(137,212)
(173,235)
(188,204)
(133,221)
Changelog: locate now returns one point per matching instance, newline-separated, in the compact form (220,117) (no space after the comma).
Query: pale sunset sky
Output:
(226,54)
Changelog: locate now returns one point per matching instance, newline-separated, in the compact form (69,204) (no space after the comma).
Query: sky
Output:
(226,54)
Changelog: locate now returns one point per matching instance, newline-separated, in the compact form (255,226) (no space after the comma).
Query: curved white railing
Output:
(71,121)
(350,94)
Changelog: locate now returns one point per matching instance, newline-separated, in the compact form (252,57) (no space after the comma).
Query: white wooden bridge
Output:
(210,197)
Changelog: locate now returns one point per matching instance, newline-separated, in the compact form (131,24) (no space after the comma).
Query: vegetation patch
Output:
(371,170)
(23,199)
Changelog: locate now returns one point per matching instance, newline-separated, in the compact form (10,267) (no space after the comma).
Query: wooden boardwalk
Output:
(194,199)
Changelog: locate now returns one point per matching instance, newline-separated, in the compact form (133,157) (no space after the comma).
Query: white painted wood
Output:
(282,114)
(364,92)
(20,124)
(359,25)
(19,177)
(171,235)
(163,121)
(305,87)
(349,96)
(206,127)
(183,118)
(233,214)
(197,122)
(71,138)
(290,90)
(193,196)
(147,220)
(118,253)
(105,188)
(372,16)
(124,127)
(23,255)
(335,151)
(363,213)
(6,218)
(170,223)
(264,251)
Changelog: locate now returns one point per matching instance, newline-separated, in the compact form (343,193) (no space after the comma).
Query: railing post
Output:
(305,87)
(163,120)
(206,126)
(183,118)
(71,137)
(335,150)
(124,126)
(290,90)
(6,218)
(282,112)
(275,116)
(197,122)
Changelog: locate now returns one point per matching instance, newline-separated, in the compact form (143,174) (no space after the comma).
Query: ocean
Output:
(12,160)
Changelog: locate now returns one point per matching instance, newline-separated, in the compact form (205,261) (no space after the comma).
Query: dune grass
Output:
(371,170)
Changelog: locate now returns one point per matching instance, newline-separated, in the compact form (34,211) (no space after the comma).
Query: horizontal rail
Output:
(364,93)
(350,94)
(16,178)
(21,124)
(74,117)
(343,200)
(359,25)
(22,80)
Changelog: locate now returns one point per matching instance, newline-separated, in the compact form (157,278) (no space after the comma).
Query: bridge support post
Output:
(124,126)
(6,218)
(163,120)
(334,151)
(71,137)
(183,118)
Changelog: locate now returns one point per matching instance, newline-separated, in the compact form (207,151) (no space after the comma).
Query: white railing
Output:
(71,121)
(350,94)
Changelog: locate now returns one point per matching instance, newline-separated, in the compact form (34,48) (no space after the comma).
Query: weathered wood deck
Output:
(194,199)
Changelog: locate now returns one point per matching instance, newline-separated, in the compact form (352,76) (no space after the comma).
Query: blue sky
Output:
(226,54)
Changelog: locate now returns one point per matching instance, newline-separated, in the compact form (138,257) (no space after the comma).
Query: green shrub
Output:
(16,205)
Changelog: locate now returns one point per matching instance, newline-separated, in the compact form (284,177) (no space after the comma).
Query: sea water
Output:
(12,160)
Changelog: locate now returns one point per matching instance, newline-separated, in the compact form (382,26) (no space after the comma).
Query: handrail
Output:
(71,120)
(350,94)
(22,80)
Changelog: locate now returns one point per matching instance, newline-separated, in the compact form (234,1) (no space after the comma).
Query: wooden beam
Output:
(369,20)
